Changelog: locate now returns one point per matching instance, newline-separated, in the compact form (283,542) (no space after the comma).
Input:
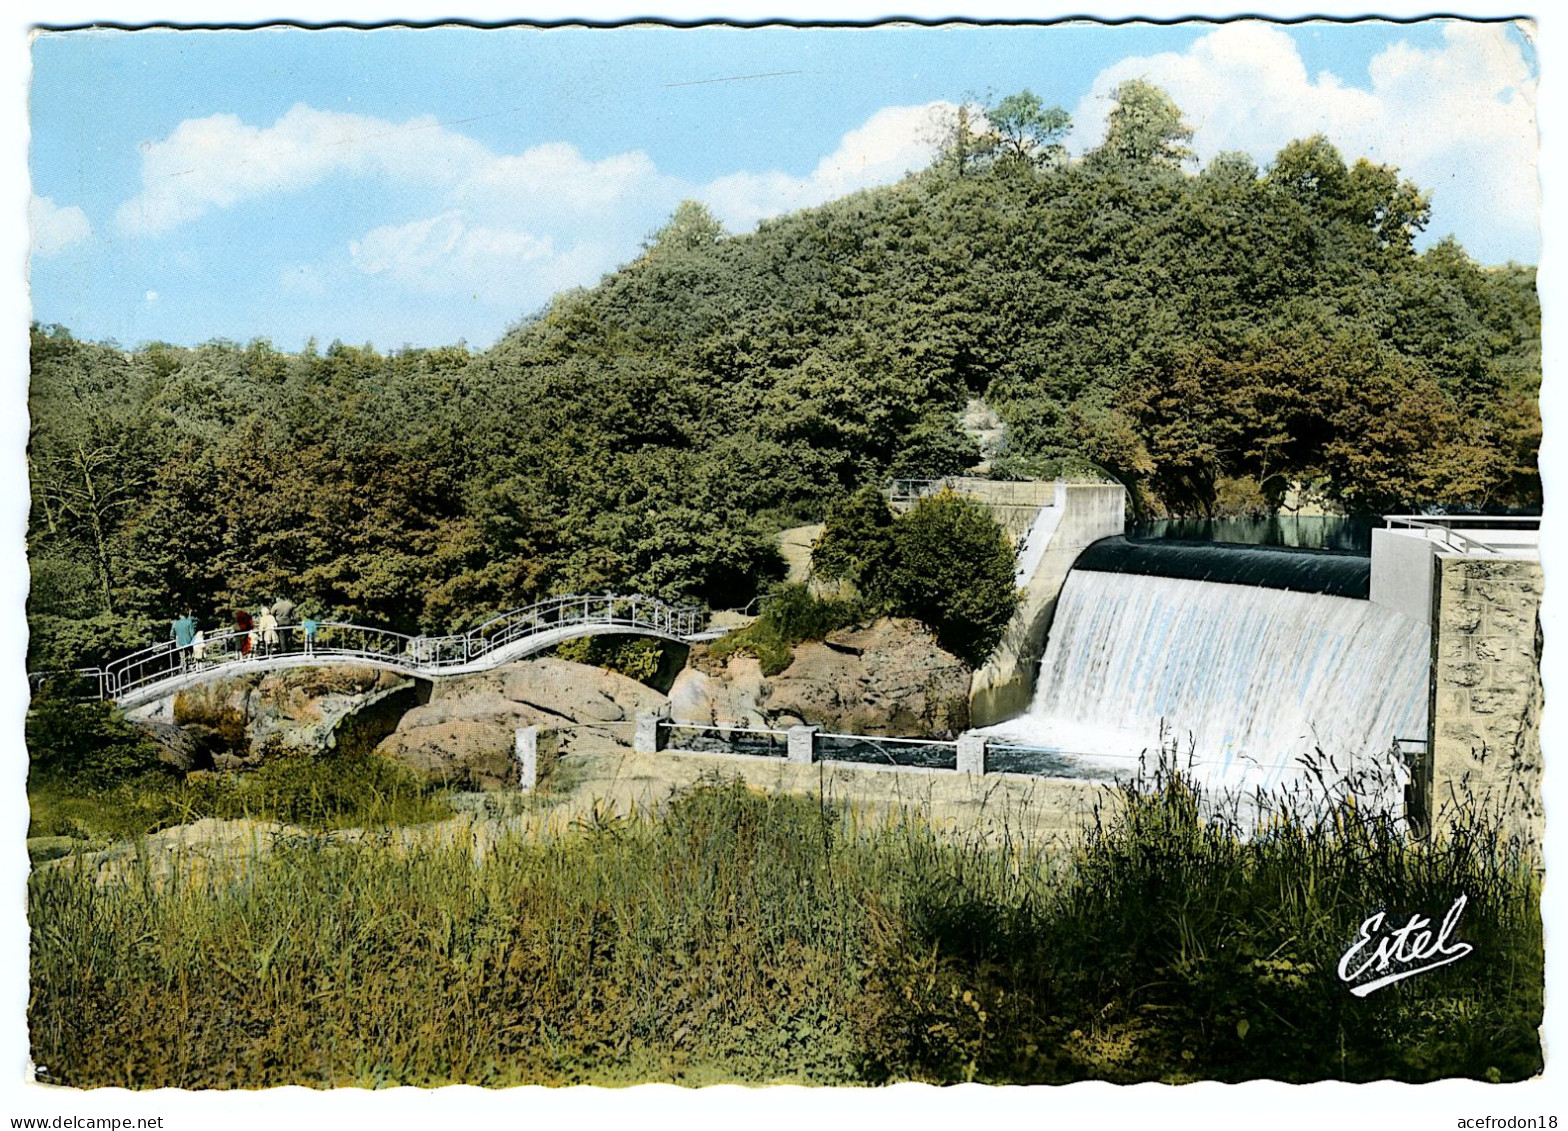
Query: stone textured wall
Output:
(1486,692)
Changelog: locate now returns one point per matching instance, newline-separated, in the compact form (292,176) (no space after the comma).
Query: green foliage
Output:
(854,540)
(761,639)
(346,791)
(60,643)
(1174,332)
(744,938)
(321,793)
(88,744)
(791,614)
(1028,131)
(800,615)
(950,566)
(934,449)
(1145,128)
(945,562)
(638,657)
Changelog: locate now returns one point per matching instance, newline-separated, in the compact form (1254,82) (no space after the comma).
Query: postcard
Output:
(879,562)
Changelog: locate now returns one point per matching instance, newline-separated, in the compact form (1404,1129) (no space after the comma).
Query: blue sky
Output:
(421,186)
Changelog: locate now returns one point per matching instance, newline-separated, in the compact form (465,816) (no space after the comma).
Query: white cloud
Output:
(55,228)
(453,254)
(508,229)
(549,217)
(1458,119)
(421,252)
(218,161)
(894,141)
(150,297)
(557,179)
(543,214)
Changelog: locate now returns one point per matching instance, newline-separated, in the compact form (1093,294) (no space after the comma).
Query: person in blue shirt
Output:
(183,633)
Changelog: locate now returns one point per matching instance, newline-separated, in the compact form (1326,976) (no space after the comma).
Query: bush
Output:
(945,562)
(638,657)
(855,539)
(791,614)
(320,792)
(97,778)
(88,744)
(951,567)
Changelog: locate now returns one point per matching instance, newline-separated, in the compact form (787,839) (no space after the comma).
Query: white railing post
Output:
(971,753)
(802,744)
(649,735)
(527,753)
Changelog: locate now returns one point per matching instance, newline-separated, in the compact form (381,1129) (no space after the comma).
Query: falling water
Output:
(1246,679)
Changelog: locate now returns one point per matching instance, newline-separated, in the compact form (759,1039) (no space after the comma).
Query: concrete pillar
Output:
(649,738)
(971,753)
(527,753)
(803,744)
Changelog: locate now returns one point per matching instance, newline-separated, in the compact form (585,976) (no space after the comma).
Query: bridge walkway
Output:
(162,669)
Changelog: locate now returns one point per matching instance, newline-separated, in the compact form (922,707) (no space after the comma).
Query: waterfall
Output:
(1250,678)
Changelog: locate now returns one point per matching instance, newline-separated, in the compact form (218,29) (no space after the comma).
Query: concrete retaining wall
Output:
(1484,735)
(1081,513)
(1402,573)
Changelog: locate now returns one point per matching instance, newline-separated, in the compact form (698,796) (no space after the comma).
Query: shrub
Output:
(945,562)
(855,540)
(89,744)
(791,614)
(951,567)
(638,657)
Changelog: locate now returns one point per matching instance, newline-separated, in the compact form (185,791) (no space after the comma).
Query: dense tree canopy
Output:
(1220,338)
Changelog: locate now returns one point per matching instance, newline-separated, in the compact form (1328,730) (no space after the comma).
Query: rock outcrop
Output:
(185,748)
(888,677)
(296,710)
(465,734)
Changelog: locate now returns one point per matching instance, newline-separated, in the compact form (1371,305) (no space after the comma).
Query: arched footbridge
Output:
(162,669)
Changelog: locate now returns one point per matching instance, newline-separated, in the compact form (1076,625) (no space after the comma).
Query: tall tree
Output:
(1028,131)
(1145,128)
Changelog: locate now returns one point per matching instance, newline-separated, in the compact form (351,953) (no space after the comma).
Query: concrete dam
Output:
(1417,661)
(1242,659)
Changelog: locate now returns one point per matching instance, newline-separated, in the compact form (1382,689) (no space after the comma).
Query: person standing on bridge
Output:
(246,628)
(267,627)
(284,611)
(309,630)
(183,632)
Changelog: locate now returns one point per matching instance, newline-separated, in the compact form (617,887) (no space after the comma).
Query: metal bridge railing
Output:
(1445,528)
(419,655)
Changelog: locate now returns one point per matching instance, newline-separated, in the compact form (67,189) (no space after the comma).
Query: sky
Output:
(423,186)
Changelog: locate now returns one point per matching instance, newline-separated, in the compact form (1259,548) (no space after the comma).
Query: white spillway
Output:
(1250,678)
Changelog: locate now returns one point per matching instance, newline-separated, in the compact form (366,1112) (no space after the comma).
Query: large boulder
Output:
(729,694)
(185,748)
(888,677)
(296,710)
(465,735)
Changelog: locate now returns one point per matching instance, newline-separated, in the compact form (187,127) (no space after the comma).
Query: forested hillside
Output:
(1210,338)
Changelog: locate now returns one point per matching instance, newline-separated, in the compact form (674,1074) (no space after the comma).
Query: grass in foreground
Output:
(746,938)
(95,779)
(346,791)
